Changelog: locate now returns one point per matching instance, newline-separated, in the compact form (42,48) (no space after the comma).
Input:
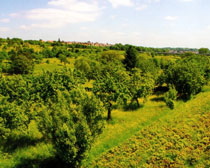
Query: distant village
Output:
(174,51)
(88,43)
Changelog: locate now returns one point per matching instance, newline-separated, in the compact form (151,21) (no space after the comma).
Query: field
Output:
(179,138)
(73,105)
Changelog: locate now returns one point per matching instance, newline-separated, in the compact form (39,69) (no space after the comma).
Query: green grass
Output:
(31,156)
(54,64)
(177,138)
(127,123)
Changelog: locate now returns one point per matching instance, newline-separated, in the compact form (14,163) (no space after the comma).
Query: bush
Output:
(170,97)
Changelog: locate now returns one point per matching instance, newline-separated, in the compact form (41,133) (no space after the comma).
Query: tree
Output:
(83,65)
(111,56)
(21,64)
(63,58)
(110,90)
(203,51)
(186,77)
(130,58)
(147,66)
(140,85)
(51,108)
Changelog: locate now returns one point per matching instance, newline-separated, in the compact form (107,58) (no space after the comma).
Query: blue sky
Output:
(153,23)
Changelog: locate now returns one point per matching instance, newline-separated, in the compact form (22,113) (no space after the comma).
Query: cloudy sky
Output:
(154,23)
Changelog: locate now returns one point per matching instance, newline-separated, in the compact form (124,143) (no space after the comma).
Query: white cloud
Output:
(117,3)
(83,28)
(4,29)
(4,20)
(141,7)
(60,13)
(171,18)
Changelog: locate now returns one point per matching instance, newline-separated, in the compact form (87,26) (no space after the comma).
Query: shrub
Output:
(170,96)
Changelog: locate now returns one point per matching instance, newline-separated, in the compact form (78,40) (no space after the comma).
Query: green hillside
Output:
(181,138)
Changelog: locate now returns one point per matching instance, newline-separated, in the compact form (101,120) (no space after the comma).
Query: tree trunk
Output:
(109,112)
(137,102)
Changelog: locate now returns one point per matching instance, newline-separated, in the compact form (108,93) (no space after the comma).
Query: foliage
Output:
(111,56)
(46,108)
(170,97)
(130,58)
(187,78)
(140,85)
(109,89)
(203,51)
(22,62)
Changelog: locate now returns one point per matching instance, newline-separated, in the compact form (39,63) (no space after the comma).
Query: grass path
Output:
(125,124)
(175,138)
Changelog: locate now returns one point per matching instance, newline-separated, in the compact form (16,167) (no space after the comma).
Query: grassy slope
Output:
(179,139)
(125,124)
(54,64)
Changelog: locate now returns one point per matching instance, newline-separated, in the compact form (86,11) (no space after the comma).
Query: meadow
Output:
(180,138)
(74,105)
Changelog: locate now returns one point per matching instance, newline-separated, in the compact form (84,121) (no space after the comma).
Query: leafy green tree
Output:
(63,58)
(130,58)
(51,108)
(111,56)
(187,78)
(109,89)
(21,61)
(20,64)
(203,51)
(140,85)
(148,66)
(83,65)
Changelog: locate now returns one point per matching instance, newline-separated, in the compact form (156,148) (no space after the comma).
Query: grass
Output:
(30,157)
(177,138)
(53,64)
(125,124)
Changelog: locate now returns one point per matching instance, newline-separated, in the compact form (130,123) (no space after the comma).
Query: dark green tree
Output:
(21,64)
(130,58)
(203,51)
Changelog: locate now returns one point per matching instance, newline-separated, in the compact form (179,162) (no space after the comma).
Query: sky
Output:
(150,23)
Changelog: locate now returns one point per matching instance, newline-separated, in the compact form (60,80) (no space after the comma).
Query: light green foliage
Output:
(148,65)
(110,89)
(111,56)
(48,119)
(140,85)
(83,65)
(170,97)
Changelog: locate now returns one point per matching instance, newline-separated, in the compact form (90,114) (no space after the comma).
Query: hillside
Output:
(179,139)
